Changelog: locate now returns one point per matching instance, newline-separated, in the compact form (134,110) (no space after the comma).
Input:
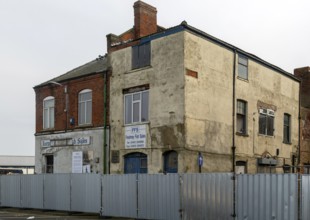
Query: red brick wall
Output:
(145,19)
(93,82)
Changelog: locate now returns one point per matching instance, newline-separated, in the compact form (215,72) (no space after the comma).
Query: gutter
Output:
(104,150)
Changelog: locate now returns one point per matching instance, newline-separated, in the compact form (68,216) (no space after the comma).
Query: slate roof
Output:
(92,67)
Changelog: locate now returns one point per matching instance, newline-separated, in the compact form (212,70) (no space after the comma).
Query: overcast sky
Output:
(40,40)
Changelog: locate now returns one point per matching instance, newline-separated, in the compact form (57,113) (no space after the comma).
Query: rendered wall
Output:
(165,78)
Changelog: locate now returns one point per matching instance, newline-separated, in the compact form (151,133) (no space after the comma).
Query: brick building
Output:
(177,100)
(70,121)
(304,75)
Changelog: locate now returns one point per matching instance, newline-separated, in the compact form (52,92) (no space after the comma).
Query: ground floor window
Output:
(135,163)
(170,162)
(241,167)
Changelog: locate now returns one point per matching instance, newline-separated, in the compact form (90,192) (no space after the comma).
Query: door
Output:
(49,163)
(135,163)
(171,162)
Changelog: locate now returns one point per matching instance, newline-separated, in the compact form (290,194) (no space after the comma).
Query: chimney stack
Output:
(304,75)
(145,19)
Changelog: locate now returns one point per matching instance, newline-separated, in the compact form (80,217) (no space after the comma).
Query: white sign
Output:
(77,162)
(81,141)
(135,136)
(46,143)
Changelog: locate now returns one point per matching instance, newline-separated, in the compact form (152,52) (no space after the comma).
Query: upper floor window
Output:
(266,122)
(136,107)
(241,117)
(242,67)
(141,55)
(85,107)
(287,128)
(48,112)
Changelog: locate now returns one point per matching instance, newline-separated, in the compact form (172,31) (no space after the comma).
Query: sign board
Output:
(81,141)
(135,136)
(46,143)
(77,162)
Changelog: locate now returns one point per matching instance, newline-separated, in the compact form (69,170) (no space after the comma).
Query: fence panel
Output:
(207,196)
(305,197)
(119,195)
(10,191)
(32,191)
(86,192)
(57,192)
(158,196)
(267,196)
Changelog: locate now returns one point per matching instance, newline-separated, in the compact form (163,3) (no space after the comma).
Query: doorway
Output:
(135,163)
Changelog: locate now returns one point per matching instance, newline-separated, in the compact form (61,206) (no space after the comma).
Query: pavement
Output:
(13,213)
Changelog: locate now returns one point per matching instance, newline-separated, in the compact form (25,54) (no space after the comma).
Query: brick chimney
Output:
(304,75)
(145,19)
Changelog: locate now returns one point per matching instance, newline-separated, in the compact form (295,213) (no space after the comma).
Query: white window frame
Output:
(268,113)
(50,123)
(140,107)
(83,120)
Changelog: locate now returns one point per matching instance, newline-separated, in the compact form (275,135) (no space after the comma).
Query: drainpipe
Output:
(299,118)
(233,148)
(104,153)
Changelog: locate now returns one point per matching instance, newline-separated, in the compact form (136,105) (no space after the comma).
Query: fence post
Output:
(137,188)
(181,194)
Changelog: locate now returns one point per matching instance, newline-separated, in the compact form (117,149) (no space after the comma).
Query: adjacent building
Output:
(16,165)
(169,100)
(71,121)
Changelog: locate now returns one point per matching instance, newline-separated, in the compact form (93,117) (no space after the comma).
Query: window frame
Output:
(50,123)
(287,129)
(130,121)
(242,115)
(267,114)
(84,120)
(243,62)
(141,55)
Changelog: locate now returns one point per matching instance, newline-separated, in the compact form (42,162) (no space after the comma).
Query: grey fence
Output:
(305,196)
(207,196)
(267,196)
(171,196)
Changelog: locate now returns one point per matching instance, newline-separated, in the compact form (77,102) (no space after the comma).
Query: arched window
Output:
(85,107)
(48,112)
(241,167)
(170,162)
(135,163)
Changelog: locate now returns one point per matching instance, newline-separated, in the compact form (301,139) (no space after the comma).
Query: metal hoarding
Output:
(158,196)
(267,196)
(119,195)
(85,193)
(32,191)
(57,192)
(207,196)
(305,197)
(10,191)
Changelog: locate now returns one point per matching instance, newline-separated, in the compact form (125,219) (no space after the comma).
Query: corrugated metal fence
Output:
(172,196)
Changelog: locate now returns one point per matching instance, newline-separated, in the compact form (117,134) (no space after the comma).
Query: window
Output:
(241,117)
(266,122)
(170,162)
(141,55)
(240,167)
(136,107)
(287,128)
(85,107)
(48,112)
(49,159)
(242,67)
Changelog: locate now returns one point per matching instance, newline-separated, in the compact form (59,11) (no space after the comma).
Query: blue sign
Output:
(200,160)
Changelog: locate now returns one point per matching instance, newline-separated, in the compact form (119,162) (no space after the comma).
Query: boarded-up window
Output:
(141,55)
